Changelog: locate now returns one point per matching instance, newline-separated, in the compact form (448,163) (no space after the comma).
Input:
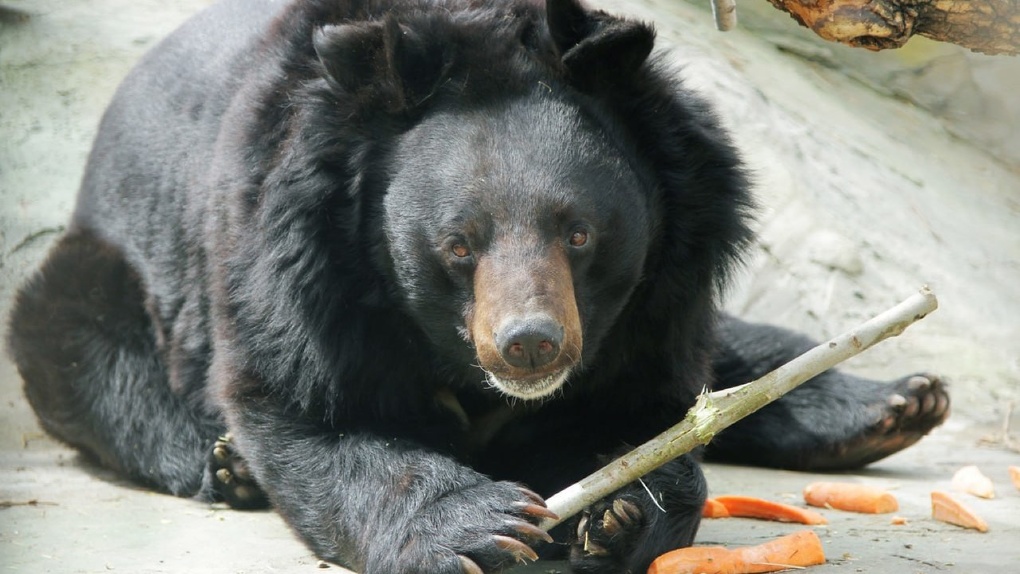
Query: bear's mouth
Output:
(530,388)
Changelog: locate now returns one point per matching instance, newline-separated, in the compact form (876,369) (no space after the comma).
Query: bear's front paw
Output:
(510,541)
(606,536)
(483,529)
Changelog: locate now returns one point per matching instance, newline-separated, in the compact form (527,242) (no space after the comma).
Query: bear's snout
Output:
(524,322)
(529,342)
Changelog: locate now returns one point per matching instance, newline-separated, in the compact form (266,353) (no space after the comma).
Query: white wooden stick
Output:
(715,411)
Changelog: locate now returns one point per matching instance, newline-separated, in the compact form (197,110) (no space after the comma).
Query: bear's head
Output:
(522,206)
(522,225)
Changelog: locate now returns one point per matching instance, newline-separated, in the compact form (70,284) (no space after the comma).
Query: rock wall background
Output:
(876,172)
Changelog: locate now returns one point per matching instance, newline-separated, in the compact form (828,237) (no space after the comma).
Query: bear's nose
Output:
(530,342)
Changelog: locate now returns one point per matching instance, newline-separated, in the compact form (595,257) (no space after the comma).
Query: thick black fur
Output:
(255,298)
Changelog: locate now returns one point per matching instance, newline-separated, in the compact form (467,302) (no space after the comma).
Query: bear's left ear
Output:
(597,48)
(382,59)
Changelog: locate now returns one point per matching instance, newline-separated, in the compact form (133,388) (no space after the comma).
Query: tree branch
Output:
(988,26)
(716,411)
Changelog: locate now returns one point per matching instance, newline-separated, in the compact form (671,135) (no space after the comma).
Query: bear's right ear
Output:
(597,48)
(384,58)
(350,53)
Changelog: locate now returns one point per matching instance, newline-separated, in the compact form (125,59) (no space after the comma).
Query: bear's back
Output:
(161,126)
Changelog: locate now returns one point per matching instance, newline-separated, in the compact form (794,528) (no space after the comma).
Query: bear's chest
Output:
(479,421)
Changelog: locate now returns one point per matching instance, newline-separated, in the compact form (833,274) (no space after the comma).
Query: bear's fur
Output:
(386,263)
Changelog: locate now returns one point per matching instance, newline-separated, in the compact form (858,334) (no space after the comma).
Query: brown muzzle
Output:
(524,323)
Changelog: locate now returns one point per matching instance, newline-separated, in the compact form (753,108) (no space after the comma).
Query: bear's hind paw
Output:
(230,478)
(606,534)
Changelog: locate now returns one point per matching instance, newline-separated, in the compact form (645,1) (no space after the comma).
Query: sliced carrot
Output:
(897,520)
(714,509)
(1014,475)
(751,507)
(799,549)
(972,481)
(947,509)
(850,496)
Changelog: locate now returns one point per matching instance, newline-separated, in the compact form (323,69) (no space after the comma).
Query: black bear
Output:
(396,266)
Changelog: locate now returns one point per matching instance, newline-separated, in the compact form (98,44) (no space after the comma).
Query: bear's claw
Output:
(232,480)
(469,566)
(529,530)
(919,403)
(519,550)
(612,534)
(537,507)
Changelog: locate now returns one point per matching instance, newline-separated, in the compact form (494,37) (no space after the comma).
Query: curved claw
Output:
(225,476)
(897,401)
(918,382)
(531,494)
(537,511)
(519,550)
(942,408)
(582,526)
(469,566)
(530,530)
(220,453)
(610,524)
(911,409)
(626,511)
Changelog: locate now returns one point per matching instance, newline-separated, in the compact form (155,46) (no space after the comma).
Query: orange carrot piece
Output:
(1014,475)
(947,509)
(751,507)
(801,548)
(714,509)
(850,496)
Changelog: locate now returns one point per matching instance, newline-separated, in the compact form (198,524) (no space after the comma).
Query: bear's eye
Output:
(578,238)
(460,250)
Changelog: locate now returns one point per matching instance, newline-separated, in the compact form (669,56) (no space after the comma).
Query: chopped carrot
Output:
(714,509)
(799,549)
(752,507)
(945,508)
(897,520)
(1014,475)
(972,481)
(850,496)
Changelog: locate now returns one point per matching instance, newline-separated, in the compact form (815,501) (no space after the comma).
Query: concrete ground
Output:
(864,197)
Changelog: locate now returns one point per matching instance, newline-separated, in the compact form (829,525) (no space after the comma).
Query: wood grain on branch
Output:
(988,26)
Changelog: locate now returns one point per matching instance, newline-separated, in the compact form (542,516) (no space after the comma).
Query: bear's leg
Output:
(630,528)
(380,504)
(834,421)
(84,345)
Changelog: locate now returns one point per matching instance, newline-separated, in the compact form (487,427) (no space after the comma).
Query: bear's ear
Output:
(381,57)
(596,47)
(350,53)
